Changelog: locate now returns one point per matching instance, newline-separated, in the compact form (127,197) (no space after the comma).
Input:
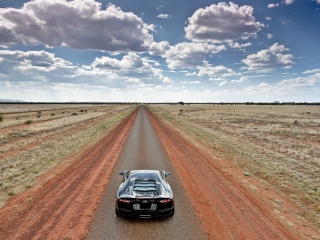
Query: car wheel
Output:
(172,213)
(117,212)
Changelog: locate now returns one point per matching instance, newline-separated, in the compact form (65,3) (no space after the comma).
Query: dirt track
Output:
(228,204)
(64,202)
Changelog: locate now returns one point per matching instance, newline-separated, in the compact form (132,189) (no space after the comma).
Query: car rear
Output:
(145,207)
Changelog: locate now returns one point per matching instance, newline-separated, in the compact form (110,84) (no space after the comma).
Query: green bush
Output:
(1,117)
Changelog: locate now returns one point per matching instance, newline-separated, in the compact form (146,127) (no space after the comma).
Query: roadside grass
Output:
(21,171)
(278,144)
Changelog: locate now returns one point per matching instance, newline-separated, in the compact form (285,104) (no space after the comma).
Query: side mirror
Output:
(167,174)
(122,173)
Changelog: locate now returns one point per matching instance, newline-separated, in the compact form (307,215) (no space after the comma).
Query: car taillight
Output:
(124,201)
(164,201)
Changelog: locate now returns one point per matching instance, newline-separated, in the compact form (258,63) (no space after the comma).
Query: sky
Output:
(160,50)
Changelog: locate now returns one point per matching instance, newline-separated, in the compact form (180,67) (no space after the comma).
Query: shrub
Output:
(74,114)
(1,117)
(28,122)
(52,114)
(38,114)
(3,138)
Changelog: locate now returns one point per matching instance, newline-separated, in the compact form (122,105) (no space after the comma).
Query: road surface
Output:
(143,150)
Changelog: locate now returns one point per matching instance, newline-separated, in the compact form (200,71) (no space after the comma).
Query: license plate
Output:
(136,206)
(153,206)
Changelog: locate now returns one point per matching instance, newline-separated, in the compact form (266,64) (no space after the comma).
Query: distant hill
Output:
(10,100)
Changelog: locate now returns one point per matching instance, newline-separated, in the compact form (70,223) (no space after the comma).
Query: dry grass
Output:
(31,150)
(278,144)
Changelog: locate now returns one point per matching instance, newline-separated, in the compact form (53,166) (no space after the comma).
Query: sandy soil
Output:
(62,204)
(27,151)
(278,145)
(229,204)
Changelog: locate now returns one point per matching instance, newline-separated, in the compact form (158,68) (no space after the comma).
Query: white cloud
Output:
(269,36)
(269,59)
(294,83)
(289,1)
(191,82)
(272,5)
(217,79)
(224,83)
(77,24)
(131,66)
(268,18)
(222,22)
(159,48)
(191,74)
(312,71)
(186,55)
(18,62)
(237,45)
(241,80)
(215,71)
(164,16)
(41,66)
(318,1)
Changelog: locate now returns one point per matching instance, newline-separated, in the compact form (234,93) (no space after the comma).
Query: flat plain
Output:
(252,172)
(277,144)
(35,138)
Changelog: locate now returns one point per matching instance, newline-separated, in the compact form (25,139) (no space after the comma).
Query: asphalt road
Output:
(143,150)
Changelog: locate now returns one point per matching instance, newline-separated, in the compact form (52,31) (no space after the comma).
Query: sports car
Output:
(144,194)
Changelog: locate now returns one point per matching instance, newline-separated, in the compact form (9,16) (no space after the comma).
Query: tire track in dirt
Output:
(63,204)
(226,209)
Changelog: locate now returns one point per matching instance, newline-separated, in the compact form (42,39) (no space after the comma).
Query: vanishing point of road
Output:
(143,150)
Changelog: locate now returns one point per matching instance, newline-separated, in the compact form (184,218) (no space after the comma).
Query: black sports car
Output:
(144,194)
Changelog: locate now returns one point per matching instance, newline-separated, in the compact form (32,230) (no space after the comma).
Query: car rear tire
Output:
(117,212)
(172,213)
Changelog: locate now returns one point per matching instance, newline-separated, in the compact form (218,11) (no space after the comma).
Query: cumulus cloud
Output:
(304,85)
(77,24)
(224,83)
(130,66)
(309,81)
(273,5)
(312,71)
(237,45)
(45,67)
(241,80)
(222,22)
(15,62)
(191,74)
(269,59)
(186,55)
(215,71)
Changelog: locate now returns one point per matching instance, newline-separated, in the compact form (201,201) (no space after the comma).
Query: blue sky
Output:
(160,51)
